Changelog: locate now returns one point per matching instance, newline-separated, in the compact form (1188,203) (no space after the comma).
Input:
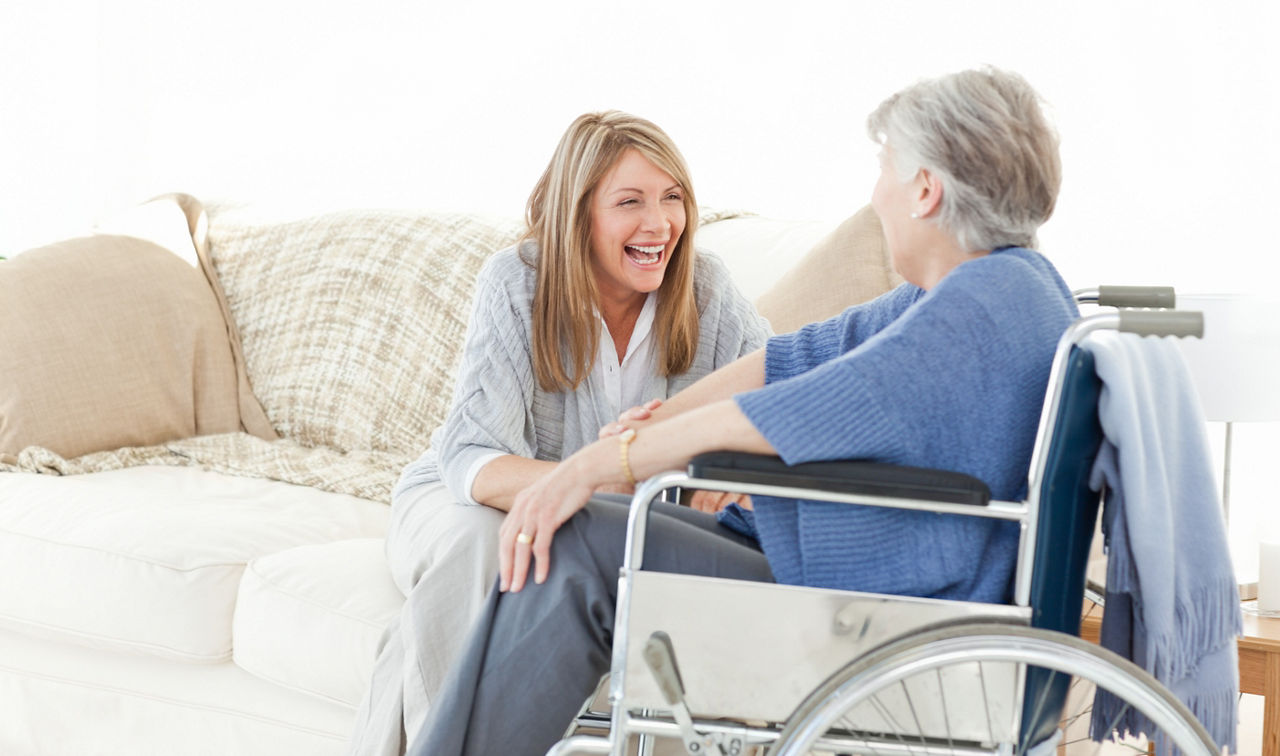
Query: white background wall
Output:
(1168,111)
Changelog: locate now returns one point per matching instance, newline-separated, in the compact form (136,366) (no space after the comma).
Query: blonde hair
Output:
(565,332)
(983,132)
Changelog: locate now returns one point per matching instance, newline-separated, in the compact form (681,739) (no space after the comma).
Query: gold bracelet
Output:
(624,445)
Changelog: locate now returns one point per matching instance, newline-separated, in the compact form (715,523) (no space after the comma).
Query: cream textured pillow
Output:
(851,265)
(110,341)
(352,322)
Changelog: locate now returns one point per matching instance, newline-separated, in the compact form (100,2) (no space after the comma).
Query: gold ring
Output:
(525,538)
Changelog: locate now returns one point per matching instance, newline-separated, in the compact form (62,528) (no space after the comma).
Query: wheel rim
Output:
(931,651)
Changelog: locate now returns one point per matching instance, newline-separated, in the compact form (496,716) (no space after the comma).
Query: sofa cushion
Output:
(63,700)
(110,341)
(149,559)
(352,322)
(849,266)
(326,602)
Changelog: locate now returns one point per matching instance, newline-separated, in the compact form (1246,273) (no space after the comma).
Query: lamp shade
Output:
(1236,366)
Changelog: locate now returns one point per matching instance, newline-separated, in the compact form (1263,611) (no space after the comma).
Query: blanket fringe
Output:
(1208,618)
(1216,711)
(366,474)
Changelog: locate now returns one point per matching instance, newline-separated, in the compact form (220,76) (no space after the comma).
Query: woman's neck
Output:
(620,316)
(944,256)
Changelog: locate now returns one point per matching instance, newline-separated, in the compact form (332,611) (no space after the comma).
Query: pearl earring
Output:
(915,216)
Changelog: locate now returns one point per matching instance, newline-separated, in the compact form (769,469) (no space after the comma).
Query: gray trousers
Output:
(533,657)
(443,556)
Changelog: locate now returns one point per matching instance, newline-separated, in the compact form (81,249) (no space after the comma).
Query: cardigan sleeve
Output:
(493,398)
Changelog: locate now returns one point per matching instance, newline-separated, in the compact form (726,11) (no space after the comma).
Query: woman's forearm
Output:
(498,482)
(670,444)
(743,374)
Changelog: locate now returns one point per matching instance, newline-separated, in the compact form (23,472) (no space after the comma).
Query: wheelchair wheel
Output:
(876,704)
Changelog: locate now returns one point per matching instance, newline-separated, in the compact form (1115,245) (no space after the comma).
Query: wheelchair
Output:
(707,662)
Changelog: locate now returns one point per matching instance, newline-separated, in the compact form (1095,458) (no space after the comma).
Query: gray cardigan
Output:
(497,402)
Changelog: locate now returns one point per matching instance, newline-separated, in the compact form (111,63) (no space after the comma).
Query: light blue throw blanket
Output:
(1172,604)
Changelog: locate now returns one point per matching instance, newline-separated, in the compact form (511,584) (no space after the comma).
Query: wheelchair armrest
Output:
(843,476)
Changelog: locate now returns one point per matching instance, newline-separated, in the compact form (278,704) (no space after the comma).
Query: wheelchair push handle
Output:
(1137,296)
(1162,323)
(1162,297)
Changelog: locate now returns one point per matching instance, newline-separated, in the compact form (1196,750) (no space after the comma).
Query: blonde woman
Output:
(603,305)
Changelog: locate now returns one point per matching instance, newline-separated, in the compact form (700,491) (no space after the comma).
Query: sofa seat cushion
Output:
(64,700)
(326,602)
(149,559)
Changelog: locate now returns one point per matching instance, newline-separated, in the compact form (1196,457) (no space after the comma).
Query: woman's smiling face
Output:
(637,216)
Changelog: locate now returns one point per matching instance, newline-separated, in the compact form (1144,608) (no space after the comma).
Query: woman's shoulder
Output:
(709,267)
(712,280)
(510,262)
(1010,261)
(510,270)
(1008,272)
(1016,287)
(714,288)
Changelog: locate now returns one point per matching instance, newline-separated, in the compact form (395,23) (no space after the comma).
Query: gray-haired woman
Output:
(947,371)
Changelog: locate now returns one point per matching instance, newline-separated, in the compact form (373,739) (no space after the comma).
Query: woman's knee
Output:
(596,534)
(428,528)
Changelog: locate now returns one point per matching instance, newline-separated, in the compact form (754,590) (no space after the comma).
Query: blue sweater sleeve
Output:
(817,343)
(830,412)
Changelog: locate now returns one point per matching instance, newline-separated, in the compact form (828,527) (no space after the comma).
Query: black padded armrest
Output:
(845,476)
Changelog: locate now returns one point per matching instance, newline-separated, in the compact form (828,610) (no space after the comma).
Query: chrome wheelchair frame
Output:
(884,646)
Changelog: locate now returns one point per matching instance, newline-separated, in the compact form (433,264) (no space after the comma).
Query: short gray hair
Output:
(984,134)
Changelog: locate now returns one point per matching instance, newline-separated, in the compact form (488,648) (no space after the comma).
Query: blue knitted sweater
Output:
(954,379)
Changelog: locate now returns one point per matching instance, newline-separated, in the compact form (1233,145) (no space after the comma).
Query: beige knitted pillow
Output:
(851,265)
(352,322)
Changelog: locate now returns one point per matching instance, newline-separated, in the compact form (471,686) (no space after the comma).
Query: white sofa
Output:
(223,593)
